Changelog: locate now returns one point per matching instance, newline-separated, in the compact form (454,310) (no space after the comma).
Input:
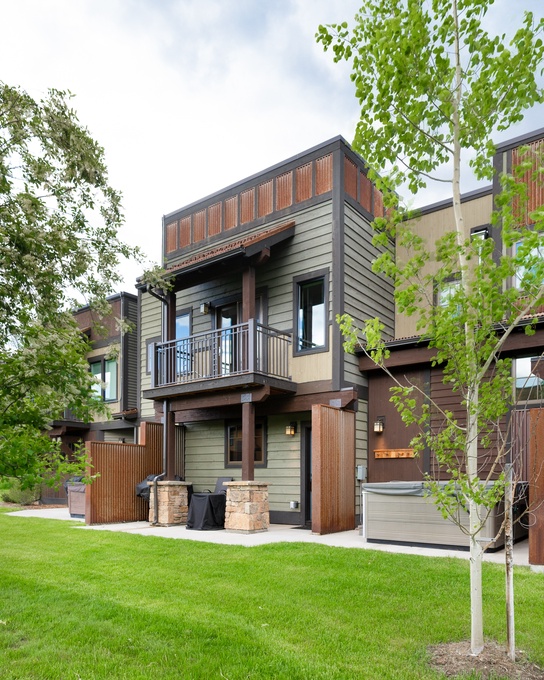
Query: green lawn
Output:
(82,605)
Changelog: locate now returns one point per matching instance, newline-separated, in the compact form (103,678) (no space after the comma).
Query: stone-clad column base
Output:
(247,510)
(173,503)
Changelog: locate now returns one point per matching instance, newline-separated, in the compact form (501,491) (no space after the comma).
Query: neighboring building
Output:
(243,353)
(113,359)
(390,458)
(410,355)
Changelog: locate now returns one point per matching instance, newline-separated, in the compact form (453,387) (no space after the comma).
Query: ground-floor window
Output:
(233,443)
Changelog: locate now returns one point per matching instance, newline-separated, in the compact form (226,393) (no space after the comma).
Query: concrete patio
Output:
(276,534)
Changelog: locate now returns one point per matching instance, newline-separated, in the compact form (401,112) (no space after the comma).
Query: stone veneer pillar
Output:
(173,503)
(247,508)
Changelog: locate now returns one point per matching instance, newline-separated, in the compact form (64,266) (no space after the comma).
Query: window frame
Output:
(148,358)
(259,422)
(102,361)
(453,281)
(539,387)
(520,273)
(298,283)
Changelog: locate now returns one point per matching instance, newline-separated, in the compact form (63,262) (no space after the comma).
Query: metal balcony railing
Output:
(244,348)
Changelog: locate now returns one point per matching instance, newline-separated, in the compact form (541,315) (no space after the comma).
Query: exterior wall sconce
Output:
(379,424)
(291,429)
(205,307)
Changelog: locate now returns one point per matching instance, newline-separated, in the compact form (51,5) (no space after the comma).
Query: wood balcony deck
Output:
(244,355)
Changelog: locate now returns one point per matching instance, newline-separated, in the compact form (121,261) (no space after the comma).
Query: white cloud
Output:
(188,96)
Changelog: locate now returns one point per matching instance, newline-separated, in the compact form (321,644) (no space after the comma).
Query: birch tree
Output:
(434,86)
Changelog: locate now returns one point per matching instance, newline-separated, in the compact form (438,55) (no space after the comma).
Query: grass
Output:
(86,605)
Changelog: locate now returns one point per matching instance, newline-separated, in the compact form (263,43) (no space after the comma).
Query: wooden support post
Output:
(248,442)
(170,434)
(248,294)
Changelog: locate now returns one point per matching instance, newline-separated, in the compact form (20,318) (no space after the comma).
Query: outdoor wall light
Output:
(291,429)
(205,308)
(379,424)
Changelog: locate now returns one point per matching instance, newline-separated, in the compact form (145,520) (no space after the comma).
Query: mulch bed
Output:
(454,659)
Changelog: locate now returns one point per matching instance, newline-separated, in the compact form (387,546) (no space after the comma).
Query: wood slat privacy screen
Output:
(535,181)
(536,487)
(112,497)
(333,469)
(304,182)
(274,195)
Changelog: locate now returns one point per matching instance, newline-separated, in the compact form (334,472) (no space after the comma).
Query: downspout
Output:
(162,298)
(163,473)
(156,499)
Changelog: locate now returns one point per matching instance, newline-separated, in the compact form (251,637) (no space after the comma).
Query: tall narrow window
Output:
(105,373)
(96,372)
(311,320)
(183,344)
(110,380)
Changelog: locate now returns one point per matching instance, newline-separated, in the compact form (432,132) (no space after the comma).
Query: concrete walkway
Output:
(277,533)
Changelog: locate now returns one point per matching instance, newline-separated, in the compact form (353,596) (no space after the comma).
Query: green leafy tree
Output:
(59,246)
(434,86)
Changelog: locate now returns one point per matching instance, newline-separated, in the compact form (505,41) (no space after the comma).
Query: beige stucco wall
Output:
(431,227)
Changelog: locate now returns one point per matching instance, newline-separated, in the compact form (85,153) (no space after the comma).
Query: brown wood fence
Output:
(536,487)
(333,469)
(111,497)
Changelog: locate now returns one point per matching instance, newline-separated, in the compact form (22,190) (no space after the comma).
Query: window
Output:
(311,314)
(105,373)
(445,291)
(149,352)
(183,348)
(233,444)
(535,255)
(528,379)
(478,237)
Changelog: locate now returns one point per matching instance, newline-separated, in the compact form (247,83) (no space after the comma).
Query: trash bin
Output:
(76,499)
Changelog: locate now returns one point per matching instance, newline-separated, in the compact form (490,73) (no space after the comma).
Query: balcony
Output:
(243,355)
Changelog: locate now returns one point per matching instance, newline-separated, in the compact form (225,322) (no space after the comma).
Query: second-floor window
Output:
(105,372)
(528,373)
(523,279)
(311,314)
(445,291)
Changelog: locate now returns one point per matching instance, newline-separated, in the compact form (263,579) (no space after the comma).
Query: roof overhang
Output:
(250,249)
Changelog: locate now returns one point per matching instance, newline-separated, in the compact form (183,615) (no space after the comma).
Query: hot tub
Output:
(404,513)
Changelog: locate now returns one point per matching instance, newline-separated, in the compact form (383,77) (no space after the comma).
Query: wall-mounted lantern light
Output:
(205,308)
(379,424)
(291,429)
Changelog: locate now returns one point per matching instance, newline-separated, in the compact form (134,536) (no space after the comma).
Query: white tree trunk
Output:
(476,606)
(509,563)
(476,550)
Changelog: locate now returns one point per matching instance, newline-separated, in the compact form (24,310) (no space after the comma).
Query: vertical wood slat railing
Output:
(242,348)
(111,497)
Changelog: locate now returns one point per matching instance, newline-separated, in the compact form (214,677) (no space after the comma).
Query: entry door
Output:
(306,473)
(230,350)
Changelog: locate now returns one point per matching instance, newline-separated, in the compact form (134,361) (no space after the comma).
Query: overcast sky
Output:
(189,96)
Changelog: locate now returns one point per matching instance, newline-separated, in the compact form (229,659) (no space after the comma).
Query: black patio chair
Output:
(207,509)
